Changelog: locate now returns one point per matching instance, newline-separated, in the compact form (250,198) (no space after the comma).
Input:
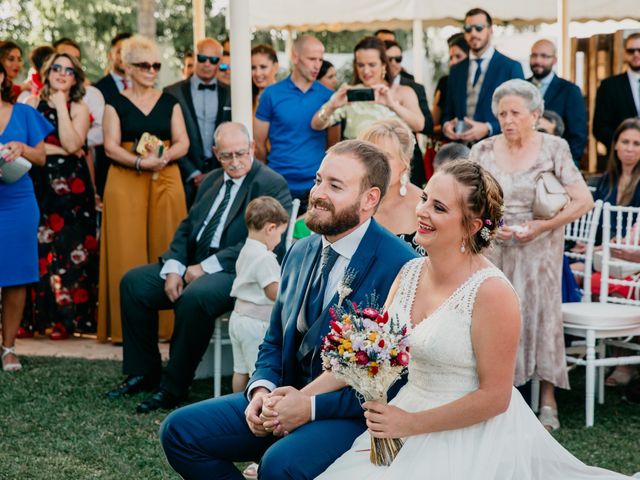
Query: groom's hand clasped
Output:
(253,411)
(286,409)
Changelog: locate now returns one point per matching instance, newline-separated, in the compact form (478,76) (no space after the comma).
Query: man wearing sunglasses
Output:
(206,104)
(402,77)
(618,96)
(467,111)
(560,96)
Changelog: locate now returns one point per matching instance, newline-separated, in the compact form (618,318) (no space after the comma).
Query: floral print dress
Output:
(66,293)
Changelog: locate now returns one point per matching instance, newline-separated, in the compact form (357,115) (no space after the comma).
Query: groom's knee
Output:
(279,464)
(171,437)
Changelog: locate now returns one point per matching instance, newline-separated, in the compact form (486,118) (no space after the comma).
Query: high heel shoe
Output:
(59,332)
(24,333)
(10,367)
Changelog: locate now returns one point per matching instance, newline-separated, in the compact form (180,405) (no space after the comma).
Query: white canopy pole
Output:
(240,37)
(564,50)
(418,50)
(198,22)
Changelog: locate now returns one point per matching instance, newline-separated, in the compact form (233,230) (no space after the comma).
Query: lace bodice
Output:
(442,357)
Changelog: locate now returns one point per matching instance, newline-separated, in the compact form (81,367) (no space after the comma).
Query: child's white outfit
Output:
(256,268)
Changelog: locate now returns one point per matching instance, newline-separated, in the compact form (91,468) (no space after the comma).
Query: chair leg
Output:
(601,349)
(217,358)
(591,377)
(535,395)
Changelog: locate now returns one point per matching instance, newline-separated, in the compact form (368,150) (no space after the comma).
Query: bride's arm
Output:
(495,332)
(327,382)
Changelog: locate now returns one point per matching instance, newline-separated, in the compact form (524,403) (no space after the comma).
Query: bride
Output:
(459,413)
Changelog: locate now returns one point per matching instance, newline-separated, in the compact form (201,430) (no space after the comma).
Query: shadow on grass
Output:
(57,425)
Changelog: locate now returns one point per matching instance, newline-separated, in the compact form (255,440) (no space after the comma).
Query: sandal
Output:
(621,378)
(549,418)
(10,367)
(251,471)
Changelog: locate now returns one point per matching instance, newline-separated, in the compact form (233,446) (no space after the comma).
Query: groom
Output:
(203,440)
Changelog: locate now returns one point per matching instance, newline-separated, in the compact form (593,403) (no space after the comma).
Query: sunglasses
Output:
(396,58)
(631,51)
(212,60)
(223,67)
(146,66)
(67,71)
(478,27)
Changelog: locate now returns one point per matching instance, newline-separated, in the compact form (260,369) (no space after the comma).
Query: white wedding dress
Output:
(511,446)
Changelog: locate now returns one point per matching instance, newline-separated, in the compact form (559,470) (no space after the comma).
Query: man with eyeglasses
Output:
(618,96)
(205,104)
(467,112)
(402,77)
(194,277)
(560,96)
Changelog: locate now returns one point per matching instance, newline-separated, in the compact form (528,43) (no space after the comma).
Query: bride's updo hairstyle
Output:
(484,201)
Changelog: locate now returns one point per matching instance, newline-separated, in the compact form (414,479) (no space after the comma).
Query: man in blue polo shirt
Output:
(283,118)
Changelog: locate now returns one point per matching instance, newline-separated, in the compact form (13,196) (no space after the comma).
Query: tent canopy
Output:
(336,15)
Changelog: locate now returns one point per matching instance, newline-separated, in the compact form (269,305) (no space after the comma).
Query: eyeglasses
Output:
(226,157)
(478,27)
(67,71)
(212,60)
(543,56)
(396,58)
(223,67)
(631,51)
(146,66)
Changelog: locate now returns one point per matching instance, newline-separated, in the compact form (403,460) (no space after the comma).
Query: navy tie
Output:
(204,244)
(316,292)
(476,76)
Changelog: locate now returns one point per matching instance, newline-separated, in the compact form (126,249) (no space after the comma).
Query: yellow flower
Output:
(373,336)
(394,352)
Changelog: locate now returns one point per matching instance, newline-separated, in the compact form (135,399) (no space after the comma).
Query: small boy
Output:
(256,285)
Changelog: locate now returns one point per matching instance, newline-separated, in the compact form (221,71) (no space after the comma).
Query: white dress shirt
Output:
(345,247)
(210,264)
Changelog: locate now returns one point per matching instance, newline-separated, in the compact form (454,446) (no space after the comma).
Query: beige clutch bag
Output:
(550,196)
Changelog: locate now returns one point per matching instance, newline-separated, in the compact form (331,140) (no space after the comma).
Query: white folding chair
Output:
(582,230)
(295,207)
(601,323)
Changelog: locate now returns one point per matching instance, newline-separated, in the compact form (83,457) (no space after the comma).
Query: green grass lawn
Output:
(55,424)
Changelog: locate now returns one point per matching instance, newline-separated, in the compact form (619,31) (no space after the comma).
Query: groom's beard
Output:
(339,222)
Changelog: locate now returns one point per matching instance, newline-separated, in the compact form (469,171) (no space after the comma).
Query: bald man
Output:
(283,118)
(205,104)
(560,96)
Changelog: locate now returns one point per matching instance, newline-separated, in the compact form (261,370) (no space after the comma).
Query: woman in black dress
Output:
(65,297)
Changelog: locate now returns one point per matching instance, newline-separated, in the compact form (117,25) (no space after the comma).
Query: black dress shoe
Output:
(632,392)
(160,399)
(134,384)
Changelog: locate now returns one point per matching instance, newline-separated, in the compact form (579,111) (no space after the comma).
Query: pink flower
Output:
(60,186)
(371,313)
(79,255)
(45,235)
(403,359)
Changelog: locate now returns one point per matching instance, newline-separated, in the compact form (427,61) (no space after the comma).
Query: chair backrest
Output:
(583,230)
(620,230)
(295,206)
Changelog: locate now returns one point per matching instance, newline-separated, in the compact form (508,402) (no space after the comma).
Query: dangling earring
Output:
(462,249)
(404,180)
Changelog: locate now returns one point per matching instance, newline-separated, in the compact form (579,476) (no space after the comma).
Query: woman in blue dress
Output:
(22,131)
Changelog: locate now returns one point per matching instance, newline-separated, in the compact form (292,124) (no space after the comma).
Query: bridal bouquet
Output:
(369,351)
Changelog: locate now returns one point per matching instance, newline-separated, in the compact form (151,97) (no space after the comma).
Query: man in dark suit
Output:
(560,96)
(205,103)
(618,97)
(401,77)
(467,112)
(194,276)
(110,85)
(204,439)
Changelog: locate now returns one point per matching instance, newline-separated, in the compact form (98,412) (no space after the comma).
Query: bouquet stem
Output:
(384,450)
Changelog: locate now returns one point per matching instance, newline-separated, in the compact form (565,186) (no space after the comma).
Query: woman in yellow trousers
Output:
(144,199)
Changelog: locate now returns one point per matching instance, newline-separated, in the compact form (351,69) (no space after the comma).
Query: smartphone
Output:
(360,95)
(461,127)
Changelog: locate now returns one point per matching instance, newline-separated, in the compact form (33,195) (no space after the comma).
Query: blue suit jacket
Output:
(376,262)
(565,98)
(501,68)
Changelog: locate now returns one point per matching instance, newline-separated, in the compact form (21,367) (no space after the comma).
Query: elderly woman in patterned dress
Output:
(529,251)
